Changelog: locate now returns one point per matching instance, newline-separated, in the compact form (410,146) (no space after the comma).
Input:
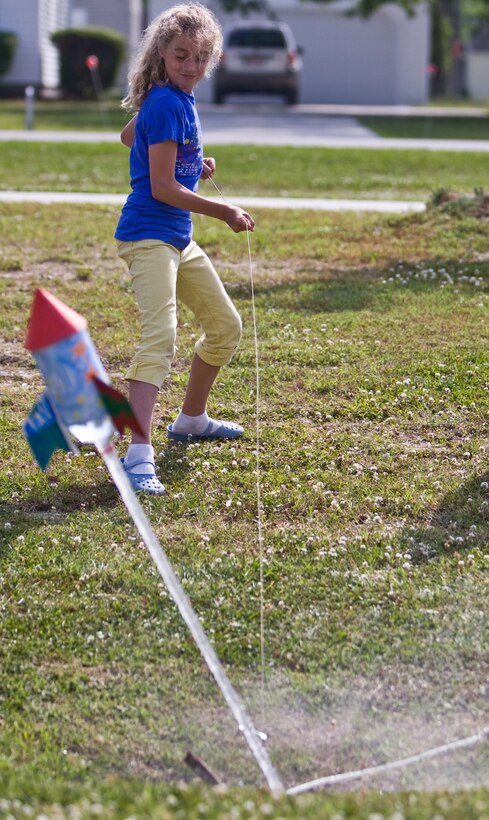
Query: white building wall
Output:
(22,17)
(413,49)
(36,59)
(53,15)
(477,74)
(345,60)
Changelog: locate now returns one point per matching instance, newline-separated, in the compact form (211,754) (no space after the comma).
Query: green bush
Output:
(75,45)
(8,44)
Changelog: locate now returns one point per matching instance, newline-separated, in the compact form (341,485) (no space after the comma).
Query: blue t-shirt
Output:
(166,114)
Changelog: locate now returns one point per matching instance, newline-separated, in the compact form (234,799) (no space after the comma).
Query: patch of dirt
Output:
(16,364)
(358,722)
(476,205)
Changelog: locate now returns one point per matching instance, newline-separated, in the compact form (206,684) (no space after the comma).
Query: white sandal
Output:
(144,482)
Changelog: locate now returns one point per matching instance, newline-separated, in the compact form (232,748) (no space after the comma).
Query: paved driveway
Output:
(248,123)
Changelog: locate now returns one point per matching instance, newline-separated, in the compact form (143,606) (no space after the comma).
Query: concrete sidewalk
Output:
(69,197)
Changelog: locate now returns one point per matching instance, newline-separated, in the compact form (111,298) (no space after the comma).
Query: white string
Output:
(359,774)
(258,476)
(344,777)
(258,464)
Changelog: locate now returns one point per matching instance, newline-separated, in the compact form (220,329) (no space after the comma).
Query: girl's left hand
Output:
(209,168)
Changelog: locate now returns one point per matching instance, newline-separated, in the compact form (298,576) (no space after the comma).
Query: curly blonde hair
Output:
(148,69)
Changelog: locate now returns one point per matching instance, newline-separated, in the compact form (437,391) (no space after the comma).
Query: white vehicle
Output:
(259,56)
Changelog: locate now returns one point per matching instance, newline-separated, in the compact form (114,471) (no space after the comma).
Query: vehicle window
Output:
(257,38)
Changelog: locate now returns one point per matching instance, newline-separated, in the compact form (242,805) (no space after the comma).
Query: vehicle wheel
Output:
(292,97)
(218,96)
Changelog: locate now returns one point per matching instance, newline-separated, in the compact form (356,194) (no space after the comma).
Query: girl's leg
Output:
(139,462)
(142,397)
(153,266)
(202,377)
(200,288)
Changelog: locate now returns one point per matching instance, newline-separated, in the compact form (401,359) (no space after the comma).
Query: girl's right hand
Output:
(239,220)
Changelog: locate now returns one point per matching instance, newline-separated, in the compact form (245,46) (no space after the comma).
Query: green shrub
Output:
(75,45)
(8,44)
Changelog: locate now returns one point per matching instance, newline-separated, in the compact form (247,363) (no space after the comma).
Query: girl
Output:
(155,232)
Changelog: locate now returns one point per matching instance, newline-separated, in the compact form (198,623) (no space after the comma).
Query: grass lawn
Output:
(429,127)
(254,170)
(373,340)
(62,115)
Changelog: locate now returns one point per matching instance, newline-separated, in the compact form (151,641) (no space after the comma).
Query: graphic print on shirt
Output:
(189,155)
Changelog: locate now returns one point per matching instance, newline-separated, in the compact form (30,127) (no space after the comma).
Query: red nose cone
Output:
(51,321)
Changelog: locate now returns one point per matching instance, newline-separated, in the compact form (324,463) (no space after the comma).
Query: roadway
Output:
(273,124)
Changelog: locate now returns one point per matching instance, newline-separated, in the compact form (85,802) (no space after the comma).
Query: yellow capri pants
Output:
(160,274)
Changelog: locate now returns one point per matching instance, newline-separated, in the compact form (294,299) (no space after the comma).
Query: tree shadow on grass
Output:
(335,290)
(50,507)
(326,293)
(55,503)
(459,524)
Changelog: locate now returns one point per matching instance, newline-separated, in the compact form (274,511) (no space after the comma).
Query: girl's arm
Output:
(165,188)
(209,168)
(127,133)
